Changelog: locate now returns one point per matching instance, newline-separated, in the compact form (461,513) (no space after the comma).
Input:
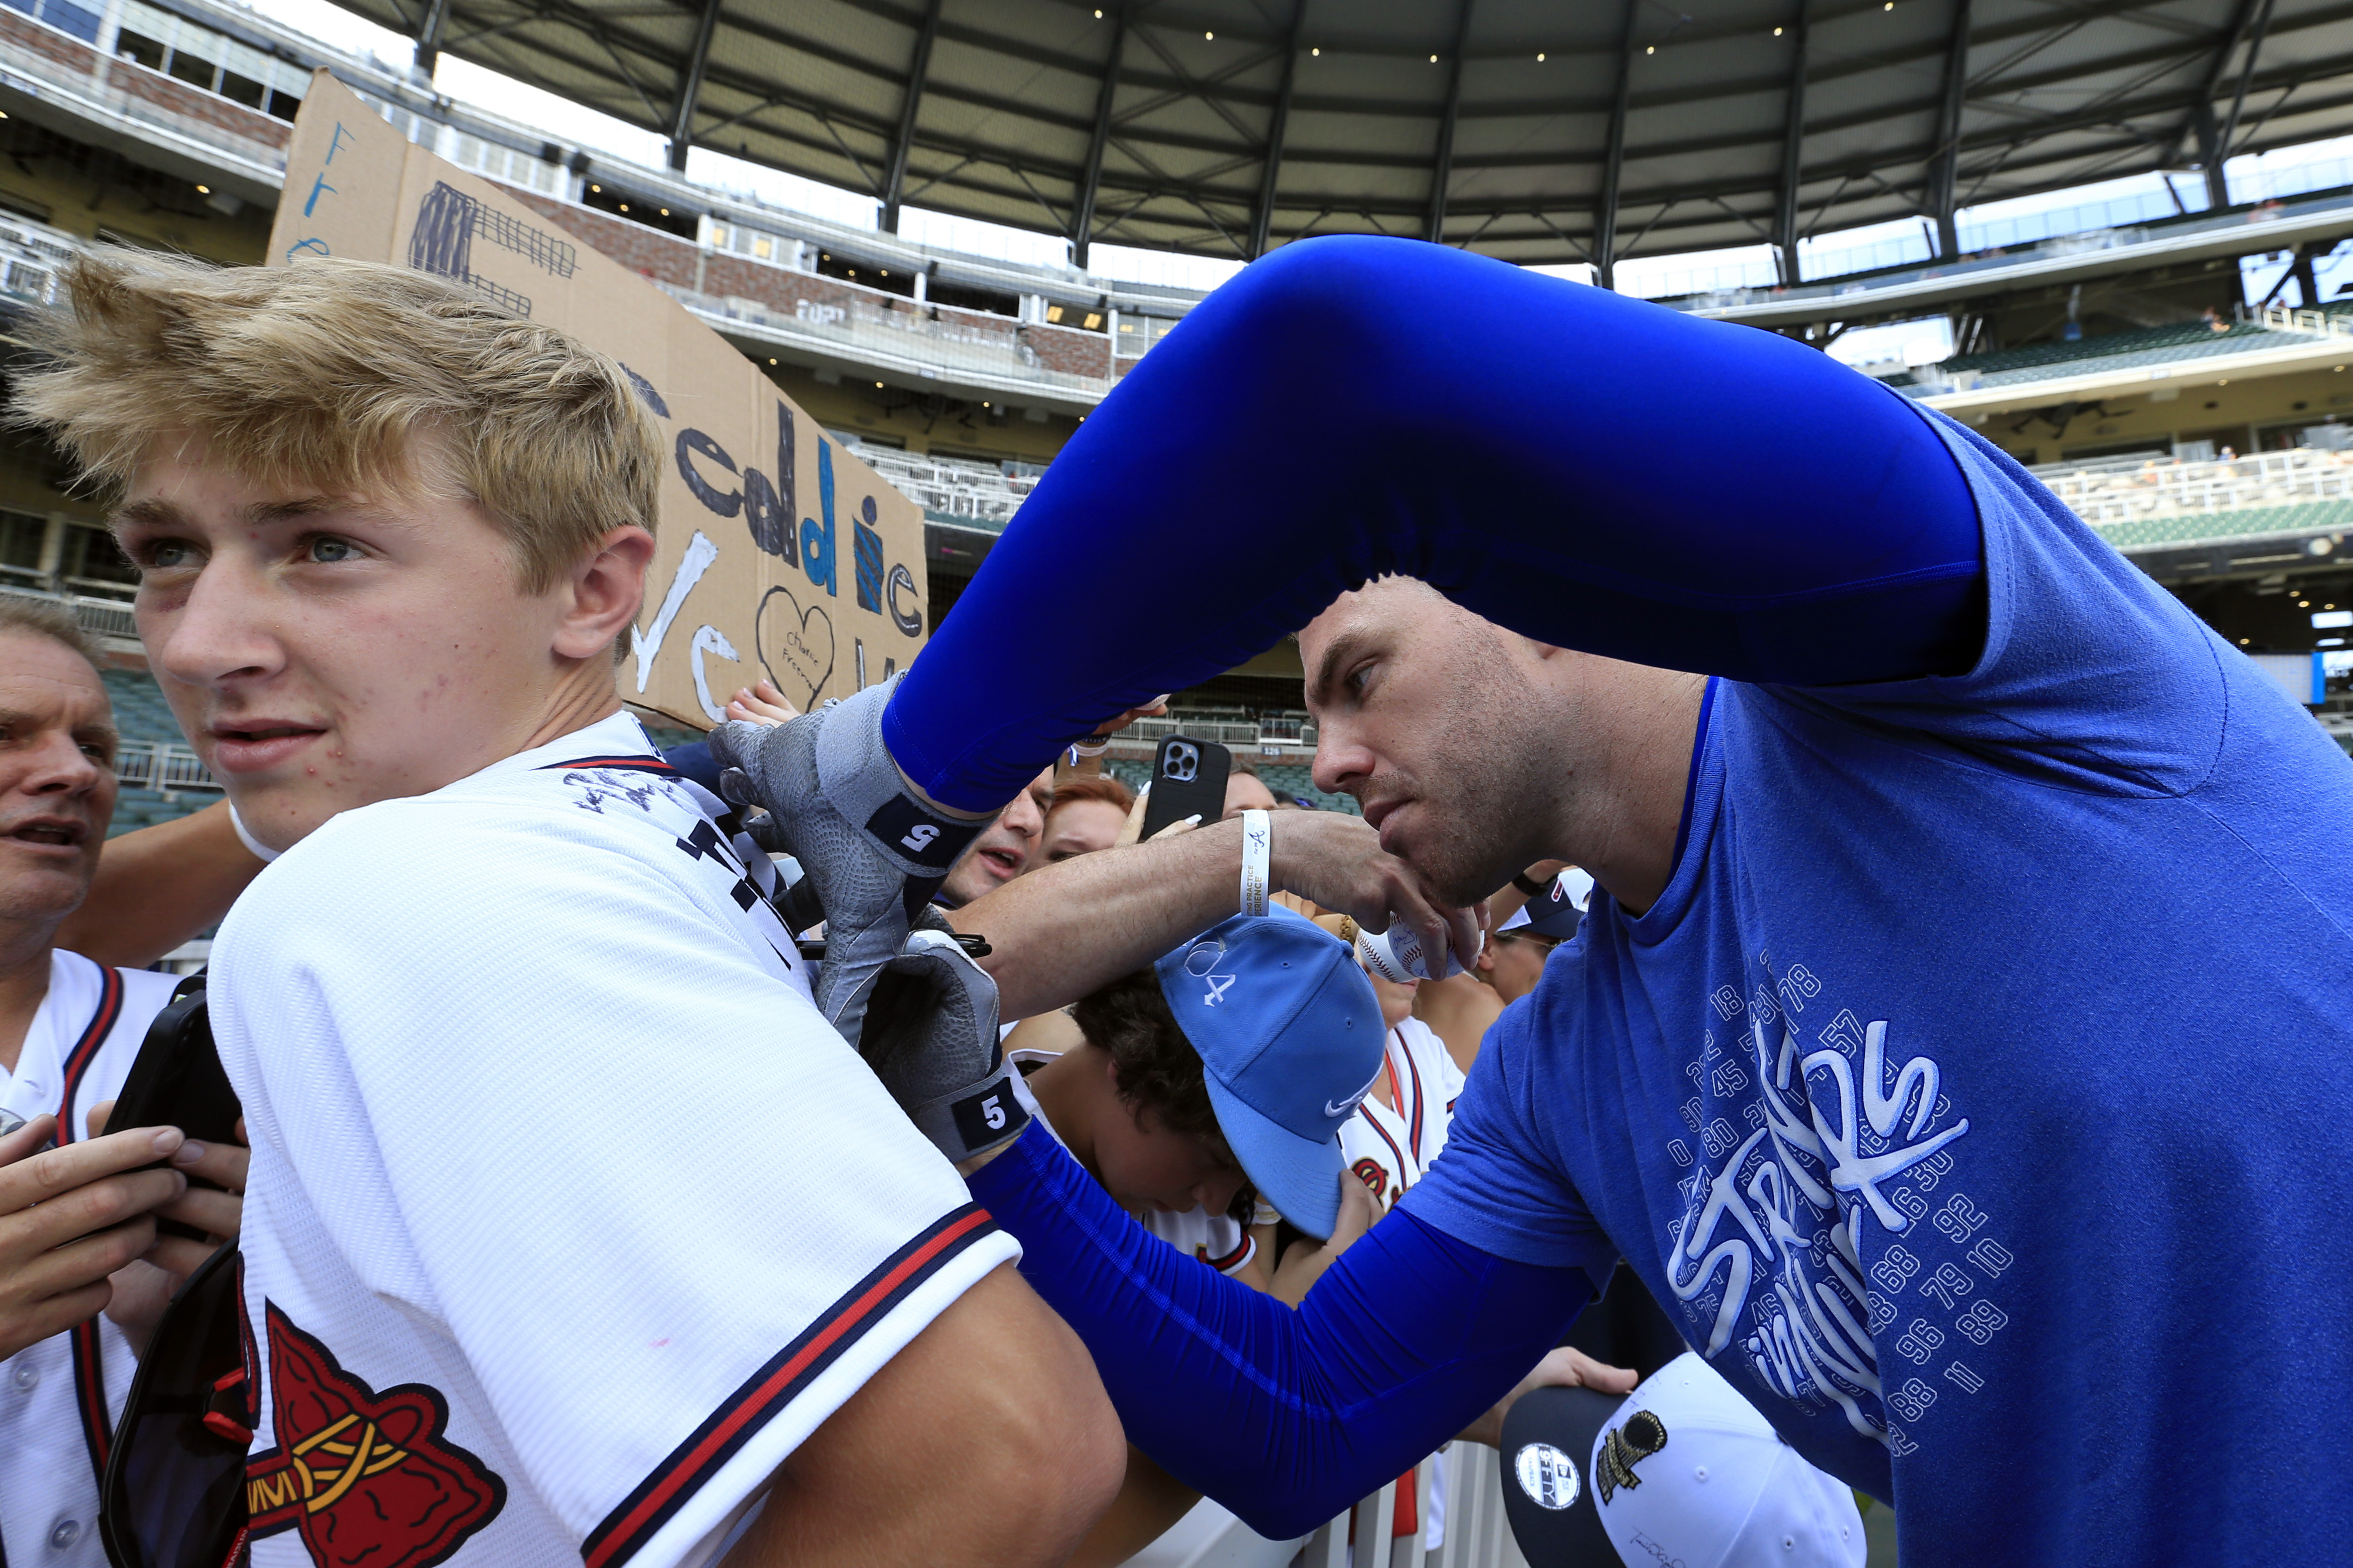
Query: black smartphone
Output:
(176,1081)
(1187,776)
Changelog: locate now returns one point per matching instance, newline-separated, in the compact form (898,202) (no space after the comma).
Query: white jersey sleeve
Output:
(562,1187)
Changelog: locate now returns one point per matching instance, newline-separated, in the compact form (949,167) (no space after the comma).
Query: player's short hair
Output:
(43,618)
(1092,786)
(1154,1063)
(329,373)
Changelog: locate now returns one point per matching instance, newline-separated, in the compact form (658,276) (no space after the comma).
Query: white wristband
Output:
(261,851)
(1258,852)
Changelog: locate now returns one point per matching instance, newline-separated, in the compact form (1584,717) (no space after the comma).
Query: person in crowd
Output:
(83,1272)
(1004,850)
(1245,791)
(1188,1115)
(1807,714)
(386,535)
(1512,960)
(1085,813)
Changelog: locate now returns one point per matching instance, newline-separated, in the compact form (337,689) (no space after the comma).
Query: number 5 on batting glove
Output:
(873,853)
(930,1037)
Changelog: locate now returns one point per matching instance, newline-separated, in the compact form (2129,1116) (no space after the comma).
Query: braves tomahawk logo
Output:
(367,1478)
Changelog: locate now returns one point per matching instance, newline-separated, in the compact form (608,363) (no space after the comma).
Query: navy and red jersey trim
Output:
(638,763)
(1231,1259)
(767,1391)
(1414,1068)
(89,1351)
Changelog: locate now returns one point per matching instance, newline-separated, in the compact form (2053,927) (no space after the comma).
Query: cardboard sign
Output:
(780,553)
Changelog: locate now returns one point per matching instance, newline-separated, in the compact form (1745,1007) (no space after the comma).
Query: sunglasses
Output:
(175,1490)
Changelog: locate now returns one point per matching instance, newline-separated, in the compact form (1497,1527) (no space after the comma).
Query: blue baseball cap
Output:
(1291,1037)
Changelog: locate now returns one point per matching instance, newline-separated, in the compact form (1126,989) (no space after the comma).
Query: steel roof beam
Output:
(1945,176)
(904,141)
(1082,218)
(1613,157)
(428,34)
(1262,216)
(2230,132)
(1442,169)
(689,85)
(1793,155)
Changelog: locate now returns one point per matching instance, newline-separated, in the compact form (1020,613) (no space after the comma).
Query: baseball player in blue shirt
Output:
(1951,1040)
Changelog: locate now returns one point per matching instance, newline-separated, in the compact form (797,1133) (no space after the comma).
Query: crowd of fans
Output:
(1176,1049)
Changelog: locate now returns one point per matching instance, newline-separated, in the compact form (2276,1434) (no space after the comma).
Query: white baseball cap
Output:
(1688,1472)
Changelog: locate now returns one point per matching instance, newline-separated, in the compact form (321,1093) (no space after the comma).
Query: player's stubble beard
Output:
(1487,782)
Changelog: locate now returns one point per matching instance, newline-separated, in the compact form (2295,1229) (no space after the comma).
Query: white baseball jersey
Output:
(1390,1146)
(570,1218)
(59,1398)
(1216,1239)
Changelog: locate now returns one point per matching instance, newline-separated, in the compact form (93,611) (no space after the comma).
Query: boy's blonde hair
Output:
(329,373)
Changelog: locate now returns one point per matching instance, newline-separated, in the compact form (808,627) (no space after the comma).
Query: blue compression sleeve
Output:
(1588,470)
(1285,1416)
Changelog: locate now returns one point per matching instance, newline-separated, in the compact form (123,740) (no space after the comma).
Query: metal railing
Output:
(165,765)
(2159,487)
(904,342)
(1477,1532)
(95,94)
(958,488)
(100,617)
(1285,730)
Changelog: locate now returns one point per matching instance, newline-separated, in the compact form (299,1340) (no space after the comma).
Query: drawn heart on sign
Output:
(796,648)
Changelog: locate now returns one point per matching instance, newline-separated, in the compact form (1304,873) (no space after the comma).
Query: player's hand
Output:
(930,1035)
(1336,862)
(1304,1260)
(1152,710)
(874,852)
(1561,1368)
(761,704)
(71,1217)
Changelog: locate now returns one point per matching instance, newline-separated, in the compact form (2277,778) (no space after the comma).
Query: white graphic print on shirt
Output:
(1839,1134)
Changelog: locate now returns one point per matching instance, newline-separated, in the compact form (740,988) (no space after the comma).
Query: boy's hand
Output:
(1304,1260)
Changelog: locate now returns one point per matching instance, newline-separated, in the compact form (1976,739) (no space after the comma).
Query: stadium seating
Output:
(2106,352)
(143,716)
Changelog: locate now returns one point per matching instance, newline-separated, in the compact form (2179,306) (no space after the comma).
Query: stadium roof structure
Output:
(1529,130)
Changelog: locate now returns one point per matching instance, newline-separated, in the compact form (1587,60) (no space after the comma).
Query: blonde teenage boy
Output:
(560,1183)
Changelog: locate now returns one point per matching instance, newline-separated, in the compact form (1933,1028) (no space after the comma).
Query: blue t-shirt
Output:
(1965,1095)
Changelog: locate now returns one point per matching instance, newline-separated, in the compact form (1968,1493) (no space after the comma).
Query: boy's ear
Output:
(606,588)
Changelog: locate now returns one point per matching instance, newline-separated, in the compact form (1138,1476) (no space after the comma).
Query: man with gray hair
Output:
(77,1219)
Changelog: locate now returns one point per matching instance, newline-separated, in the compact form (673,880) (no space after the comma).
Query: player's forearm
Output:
(1528,450)
(157,886)
(1067,929)
(1286,1418)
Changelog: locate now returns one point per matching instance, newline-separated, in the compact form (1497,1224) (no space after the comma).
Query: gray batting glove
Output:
(930,1037)
(873,853)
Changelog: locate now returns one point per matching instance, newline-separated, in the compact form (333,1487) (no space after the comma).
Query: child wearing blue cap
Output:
(1234,1060)
(1229,1067)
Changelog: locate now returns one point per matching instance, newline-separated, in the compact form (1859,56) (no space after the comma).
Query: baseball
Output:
(1396,955)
